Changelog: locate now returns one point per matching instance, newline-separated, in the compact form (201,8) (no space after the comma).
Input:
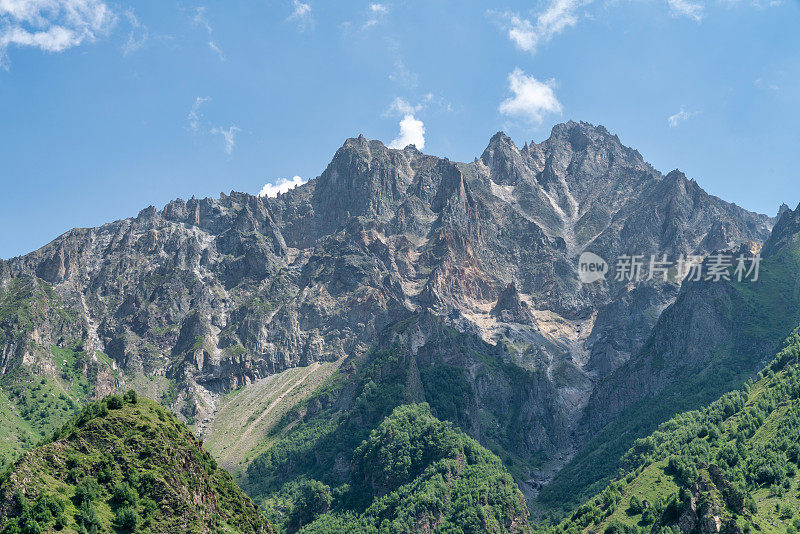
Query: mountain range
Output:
(288,331)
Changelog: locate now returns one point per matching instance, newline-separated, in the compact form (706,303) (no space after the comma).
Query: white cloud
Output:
(527,35)
(686,8)
(301,13)
(138,35)
(281,186)
(412,132)
(376,13)
(532,99)
(681,116)
(195,116)
(228,135)
(52,25)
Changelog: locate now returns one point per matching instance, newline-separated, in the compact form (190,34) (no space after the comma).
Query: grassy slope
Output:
(751,435)
(131,468)
(764,312)
(246,417)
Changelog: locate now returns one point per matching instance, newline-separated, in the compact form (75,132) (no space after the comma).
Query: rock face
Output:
(707,505)
(709,341)
(212,294)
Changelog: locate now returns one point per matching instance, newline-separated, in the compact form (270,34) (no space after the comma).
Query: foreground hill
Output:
(730,467)
(124,465)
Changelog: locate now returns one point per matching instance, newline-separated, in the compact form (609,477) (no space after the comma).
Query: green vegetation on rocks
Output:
(124,464)
(733,466)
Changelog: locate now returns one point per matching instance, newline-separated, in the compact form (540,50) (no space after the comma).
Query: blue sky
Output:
(108,107)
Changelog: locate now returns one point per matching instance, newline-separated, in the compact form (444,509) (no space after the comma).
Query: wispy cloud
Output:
(375,14)
(198,125)
(302,15)
(531,99)
(138,35)
(195,115)
(761,83)
(412,132)
(213,46)
(529,33)
(228,135)
(686,8)
(681,116)
(200,19)
(403,76)
(51,25)
(281,186)
(400,106)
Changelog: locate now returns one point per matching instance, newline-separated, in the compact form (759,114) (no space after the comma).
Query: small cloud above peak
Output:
(282,185)
(531,99)
(412,132)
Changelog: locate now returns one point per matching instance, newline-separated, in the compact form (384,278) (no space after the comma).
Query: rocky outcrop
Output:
(510,308)
(707,508)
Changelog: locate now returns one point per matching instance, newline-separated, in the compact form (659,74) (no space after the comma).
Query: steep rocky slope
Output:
(206,296)
(714,337)
(463,379)
(127,465)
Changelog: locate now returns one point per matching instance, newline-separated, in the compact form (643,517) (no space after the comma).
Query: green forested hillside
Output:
(415,474)
(124,464)
(729,467)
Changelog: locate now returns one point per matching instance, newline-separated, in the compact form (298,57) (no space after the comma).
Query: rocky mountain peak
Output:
(507,165)
(580,135)
(676,179)
(786,230)
(500,145)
